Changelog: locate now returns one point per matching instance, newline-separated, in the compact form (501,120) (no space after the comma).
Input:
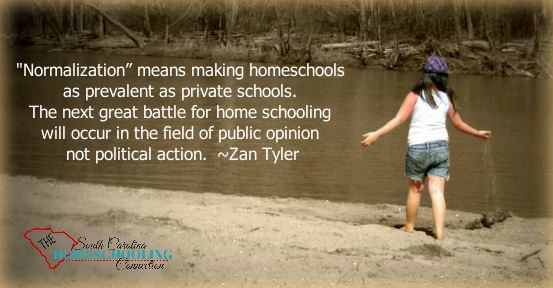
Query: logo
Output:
(58,247)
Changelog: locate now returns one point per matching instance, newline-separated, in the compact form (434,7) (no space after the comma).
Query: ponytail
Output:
(433,81)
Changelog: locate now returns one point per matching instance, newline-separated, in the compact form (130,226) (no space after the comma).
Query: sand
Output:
(234,240)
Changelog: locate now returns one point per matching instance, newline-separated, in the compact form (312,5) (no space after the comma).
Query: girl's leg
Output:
(436,189)
(413,201)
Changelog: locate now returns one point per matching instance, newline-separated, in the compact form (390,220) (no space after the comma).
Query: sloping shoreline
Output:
(231,240)
(475,60)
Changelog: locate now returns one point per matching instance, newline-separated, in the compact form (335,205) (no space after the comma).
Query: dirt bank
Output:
(513,58)
(234,240)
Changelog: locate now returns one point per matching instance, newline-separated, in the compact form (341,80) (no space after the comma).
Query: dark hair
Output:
(435,81)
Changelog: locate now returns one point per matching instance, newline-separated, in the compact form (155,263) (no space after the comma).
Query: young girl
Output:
(427,155)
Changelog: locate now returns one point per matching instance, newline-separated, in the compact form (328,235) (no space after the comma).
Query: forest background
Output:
(507,38)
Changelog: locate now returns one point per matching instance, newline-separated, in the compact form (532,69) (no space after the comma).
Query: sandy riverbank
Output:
(249,241)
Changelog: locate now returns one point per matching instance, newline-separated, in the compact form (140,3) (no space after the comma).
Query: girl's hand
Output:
(484,134)
(370,138)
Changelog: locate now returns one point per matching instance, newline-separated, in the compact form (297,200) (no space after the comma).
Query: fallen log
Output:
(518,70)
(345,45)
(118,24)
(477,44)
(111,42)
(516,45)
(510,50)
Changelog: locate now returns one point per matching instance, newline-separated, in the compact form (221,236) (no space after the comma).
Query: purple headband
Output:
(436,64)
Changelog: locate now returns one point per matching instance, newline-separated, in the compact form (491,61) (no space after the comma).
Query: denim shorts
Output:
(431,158)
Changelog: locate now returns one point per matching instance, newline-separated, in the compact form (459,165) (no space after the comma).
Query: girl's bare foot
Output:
(405,229)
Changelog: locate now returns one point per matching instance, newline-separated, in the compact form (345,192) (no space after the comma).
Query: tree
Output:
(80,18)
(470,28)
(117,24)
(147,27)
(231,15)
(363,19)
(51,19)
(457,20)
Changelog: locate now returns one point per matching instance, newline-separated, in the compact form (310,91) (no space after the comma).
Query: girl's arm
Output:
(464,127)
(402,114)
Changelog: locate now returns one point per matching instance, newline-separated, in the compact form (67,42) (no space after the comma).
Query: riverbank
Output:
(241,241)
(513,58)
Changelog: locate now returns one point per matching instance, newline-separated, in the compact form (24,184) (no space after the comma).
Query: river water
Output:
(505,172)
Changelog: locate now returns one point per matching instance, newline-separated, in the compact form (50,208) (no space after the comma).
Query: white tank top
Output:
(427,123)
